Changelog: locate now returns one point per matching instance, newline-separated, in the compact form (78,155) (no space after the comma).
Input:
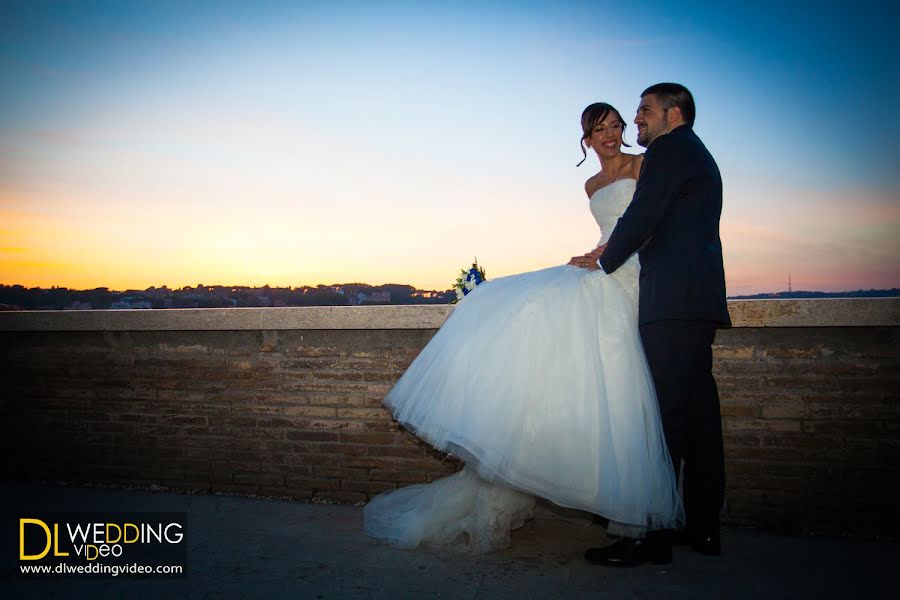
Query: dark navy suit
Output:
(673,223)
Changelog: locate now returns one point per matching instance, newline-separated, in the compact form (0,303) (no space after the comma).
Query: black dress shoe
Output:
(629,552)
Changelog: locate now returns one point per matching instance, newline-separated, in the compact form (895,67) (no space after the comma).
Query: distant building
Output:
(426,294)
(78,305)
(130,303)
(379,297)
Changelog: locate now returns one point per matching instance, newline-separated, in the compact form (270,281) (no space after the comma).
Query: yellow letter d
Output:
(22,555)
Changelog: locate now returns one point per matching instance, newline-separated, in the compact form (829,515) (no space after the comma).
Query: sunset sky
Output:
(298,143)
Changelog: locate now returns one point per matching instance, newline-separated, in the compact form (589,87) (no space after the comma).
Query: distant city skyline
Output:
(302,143)
(15,298)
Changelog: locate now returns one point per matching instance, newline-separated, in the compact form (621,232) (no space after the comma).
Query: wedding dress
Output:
(539,383)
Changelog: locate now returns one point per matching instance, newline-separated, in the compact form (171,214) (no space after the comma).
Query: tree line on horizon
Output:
(14,297)
(800,294)
(17,297)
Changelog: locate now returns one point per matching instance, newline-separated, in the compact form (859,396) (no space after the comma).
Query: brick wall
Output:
(293,413)
(811,419)
(810,415)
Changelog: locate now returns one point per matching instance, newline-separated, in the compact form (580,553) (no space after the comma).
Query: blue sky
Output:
(298,143)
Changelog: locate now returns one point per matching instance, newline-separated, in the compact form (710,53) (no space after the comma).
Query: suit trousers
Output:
(679,354)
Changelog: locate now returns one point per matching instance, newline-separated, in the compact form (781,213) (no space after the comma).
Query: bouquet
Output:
(467,281)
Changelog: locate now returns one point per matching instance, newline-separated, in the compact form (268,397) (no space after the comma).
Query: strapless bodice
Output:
(609,202)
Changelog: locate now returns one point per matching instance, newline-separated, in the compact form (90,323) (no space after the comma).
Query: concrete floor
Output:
(242,547)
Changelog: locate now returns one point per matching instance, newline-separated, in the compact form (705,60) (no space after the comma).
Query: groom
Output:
(673,222)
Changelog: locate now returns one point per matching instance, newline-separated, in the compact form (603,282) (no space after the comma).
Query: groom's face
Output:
(651,120)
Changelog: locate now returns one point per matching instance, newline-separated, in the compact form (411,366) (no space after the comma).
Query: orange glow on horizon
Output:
(135,244)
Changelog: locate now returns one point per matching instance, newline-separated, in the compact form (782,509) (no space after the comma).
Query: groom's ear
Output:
(673,115)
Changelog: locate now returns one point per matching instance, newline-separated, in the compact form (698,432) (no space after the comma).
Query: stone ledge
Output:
(826,312)
(816,312)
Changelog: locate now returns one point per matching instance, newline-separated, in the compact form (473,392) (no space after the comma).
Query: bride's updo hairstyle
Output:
(593,114)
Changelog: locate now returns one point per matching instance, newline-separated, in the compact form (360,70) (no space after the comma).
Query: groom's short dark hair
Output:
(671,95)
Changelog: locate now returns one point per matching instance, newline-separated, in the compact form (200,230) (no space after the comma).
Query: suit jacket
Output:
(673,220)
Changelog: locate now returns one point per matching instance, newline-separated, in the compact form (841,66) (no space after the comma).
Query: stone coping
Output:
(826,312)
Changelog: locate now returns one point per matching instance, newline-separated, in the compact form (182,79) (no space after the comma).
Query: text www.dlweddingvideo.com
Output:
(112,570)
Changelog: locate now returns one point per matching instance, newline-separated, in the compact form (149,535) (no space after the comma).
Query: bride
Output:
(539,383)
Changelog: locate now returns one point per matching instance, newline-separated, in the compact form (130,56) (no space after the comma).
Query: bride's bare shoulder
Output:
(636,163)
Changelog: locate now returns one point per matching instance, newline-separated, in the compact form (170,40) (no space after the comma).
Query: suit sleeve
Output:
(661,178)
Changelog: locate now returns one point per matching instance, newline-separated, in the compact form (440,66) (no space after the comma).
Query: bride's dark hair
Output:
(593,114)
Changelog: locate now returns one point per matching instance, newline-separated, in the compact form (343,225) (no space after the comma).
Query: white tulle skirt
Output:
(539,383)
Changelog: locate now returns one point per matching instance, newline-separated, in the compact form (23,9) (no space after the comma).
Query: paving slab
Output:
(241,547)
